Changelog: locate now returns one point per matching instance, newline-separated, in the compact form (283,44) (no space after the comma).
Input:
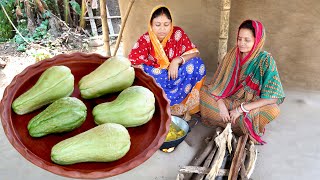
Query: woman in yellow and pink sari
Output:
(246,88)
(166,53)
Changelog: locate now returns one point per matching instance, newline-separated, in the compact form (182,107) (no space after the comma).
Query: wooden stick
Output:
(221,141)
(234,141)
(202,170)
(203,154)
(207,163)
(252,158)
(243,173)
(123,23)
(180,176)
(105,27)
(5,12)
(236,161)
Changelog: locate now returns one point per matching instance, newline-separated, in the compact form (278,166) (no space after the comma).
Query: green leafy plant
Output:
(76,7)
(6,30)
(40,32)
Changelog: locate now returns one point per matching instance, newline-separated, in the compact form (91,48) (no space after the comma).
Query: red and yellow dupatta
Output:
(226,79)
(158,46)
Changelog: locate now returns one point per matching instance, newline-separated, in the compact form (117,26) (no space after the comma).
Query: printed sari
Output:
(244,80)
(155,57)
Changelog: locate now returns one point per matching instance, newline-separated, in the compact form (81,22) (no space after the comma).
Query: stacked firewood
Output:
(224,155)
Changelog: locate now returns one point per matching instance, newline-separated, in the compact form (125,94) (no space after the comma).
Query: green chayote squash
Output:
(133,107)
(63,115)
(114,75)
(54,83)
(104,143)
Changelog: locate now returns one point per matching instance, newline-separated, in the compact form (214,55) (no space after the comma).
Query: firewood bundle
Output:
(224,155)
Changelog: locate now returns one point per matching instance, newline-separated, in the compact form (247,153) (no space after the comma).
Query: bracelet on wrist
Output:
(243,109)
(182,59)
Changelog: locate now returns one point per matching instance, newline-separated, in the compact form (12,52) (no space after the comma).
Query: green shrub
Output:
(6,30)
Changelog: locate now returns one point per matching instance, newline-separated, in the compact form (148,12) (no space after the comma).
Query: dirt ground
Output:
(13,61)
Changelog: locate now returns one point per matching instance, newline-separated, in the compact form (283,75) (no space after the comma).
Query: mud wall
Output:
(292,29)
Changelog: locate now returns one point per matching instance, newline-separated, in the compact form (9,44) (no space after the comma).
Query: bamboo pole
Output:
(66,11)
(123,23)
(83,12)
(105,28)
(224,28)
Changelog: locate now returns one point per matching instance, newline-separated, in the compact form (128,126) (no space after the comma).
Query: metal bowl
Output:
(182,124)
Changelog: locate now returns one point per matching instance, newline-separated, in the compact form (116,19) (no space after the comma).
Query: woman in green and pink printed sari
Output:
(246,89)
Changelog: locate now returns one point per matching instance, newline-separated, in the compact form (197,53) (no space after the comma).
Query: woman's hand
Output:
(234,114)
(224,113)
(137,66)
(173,68)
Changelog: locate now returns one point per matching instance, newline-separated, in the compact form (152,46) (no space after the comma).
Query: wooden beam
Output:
(238,157)
(207,163)
(92,22)
(198,160)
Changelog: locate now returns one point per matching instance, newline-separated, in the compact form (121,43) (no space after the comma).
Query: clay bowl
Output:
(145,139)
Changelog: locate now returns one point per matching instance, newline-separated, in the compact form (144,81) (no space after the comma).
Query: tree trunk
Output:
(30,18)
(40,6)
